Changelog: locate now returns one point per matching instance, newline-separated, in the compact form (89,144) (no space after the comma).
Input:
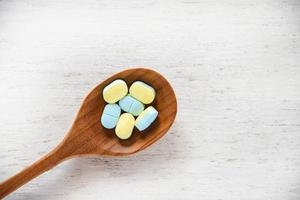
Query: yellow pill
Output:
(142,92)
(125,126)
(115,91)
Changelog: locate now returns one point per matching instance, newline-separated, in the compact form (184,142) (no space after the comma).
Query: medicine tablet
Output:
(146,118)
(142,92)
(115,91)
(110,115)
(131,105)
(125,126)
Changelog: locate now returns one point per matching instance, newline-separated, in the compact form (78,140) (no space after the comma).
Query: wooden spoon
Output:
(88,137)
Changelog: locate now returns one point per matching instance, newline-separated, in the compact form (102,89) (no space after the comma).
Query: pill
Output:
(131,105)
(145,119)
(142,92)
(110,115)
(115,91)
(125,126)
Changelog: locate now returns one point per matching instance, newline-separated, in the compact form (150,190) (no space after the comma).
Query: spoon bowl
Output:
(88,137)
(92,138)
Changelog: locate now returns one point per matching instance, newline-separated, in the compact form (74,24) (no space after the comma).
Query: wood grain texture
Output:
(234,66)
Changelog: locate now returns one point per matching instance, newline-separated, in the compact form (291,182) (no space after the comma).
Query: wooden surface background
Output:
(234,66)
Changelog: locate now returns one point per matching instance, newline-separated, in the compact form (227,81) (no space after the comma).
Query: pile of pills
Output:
(132,105)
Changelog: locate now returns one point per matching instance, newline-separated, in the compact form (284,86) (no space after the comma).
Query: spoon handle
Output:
(44,164)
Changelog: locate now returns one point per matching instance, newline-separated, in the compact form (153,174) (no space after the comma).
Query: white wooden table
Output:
(235,67)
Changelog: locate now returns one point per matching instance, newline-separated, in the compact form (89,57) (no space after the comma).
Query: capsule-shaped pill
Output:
(115,91)
(146,118)
(125,126)
(110,115)
(131,105)
(142,92)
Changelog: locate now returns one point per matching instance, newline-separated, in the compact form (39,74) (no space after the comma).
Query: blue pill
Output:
(146,118)
(110,115)
(131,105)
